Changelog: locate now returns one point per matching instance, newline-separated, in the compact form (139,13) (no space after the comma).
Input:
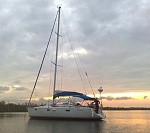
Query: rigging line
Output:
(87,76)
(50,79)
(90,83)
(62,71)
(72,47)
(43,60)
(61,79)
(75,60)
(82,67)
(38,94)
(51,69)
(85,72)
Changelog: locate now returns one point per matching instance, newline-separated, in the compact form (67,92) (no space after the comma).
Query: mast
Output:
(55,73)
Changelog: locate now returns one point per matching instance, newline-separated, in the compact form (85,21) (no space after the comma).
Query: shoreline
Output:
(126,108)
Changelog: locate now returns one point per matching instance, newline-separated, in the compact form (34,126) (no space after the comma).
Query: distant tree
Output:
(2,103)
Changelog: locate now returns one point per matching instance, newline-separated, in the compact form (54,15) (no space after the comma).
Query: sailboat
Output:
(68,110)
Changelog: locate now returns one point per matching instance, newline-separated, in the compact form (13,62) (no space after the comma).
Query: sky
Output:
(111,37)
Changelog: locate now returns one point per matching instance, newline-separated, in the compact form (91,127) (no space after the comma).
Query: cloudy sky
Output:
(111,36)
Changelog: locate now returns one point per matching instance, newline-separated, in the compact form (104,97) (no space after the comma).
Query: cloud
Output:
(16,82)
(21,89)
(112,35)
(123,98)
(4,89)
(109,98)
(42,100)
(145,97)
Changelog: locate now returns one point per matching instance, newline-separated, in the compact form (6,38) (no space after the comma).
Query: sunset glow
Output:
(109,42)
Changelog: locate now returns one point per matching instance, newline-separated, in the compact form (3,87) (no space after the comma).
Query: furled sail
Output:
(72,93)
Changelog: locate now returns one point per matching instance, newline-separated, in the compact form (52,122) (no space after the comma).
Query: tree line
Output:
(126,108)
(11,107)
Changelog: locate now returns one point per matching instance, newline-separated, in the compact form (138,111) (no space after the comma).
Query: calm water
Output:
(116,122)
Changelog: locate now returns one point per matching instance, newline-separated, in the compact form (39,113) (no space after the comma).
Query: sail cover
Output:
(71,93)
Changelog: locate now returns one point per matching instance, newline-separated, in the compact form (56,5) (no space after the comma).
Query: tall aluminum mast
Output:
(55,74)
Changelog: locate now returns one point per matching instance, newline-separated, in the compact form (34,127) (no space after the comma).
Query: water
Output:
(116,122)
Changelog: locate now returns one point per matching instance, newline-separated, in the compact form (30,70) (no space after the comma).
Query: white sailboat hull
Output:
(45,112)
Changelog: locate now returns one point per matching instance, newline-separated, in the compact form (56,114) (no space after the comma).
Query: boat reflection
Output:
(64,126)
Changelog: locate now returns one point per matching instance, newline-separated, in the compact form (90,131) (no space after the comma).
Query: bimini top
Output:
(71,93)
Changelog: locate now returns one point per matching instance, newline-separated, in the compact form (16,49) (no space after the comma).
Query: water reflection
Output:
(116,122)
(11,115)
(55,126)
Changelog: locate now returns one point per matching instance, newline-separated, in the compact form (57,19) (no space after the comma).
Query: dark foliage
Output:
(11,107)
